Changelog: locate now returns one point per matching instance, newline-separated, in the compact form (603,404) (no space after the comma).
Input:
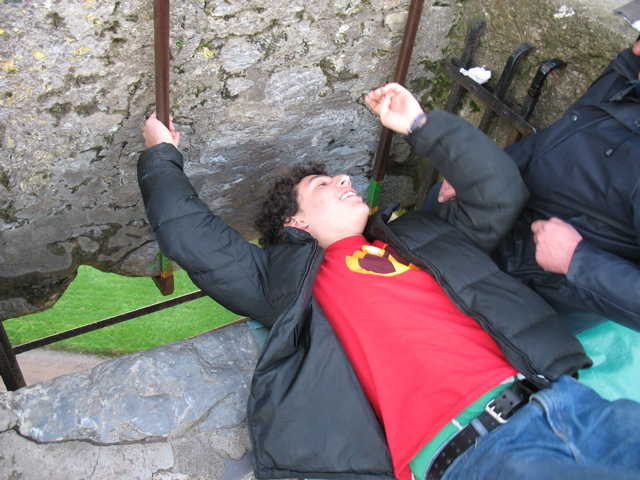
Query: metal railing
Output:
(9,368)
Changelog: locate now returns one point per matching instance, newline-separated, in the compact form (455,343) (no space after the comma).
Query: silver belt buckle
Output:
(491,410)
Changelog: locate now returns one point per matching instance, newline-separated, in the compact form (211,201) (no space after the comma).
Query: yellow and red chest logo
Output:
(378,261)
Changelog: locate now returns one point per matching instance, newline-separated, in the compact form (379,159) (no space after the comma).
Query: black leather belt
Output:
(497,412)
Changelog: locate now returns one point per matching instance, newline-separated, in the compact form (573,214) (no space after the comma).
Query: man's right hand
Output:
(397,108)
(155,132)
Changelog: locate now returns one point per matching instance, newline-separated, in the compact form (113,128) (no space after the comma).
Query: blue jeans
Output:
(565,432)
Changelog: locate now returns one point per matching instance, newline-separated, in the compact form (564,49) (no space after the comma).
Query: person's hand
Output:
(447,192)
(155,132)
(556,241)
(397,108)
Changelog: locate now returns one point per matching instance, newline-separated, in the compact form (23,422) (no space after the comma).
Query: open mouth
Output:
(347,195)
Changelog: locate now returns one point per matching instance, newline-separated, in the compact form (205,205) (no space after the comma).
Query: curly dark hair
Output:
(282,203)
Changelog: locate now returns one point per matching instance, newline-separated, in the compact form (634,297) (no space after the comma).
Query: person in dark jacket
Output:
(388,337)
(578,242)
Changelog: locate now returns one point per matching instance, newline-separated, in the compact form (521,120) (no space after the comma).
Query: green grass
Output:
(95,295)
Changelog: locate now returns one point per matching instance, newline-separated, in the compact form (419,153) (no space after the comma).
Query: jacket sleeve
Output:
(605,283)
(602,281)
(217,258)
(490,191)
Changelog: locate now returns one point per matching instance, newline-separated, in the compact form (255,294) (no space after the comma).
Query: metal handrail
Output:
(9,368)
(107,322)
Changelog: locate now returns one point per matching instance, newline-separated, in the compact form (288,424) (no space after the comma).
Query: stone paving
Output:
(42,364)
(174,412)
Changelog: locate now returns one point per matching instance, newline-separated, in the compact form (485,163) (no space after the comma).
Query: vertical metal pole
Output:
(161,44)
(164,281)
(9,368)
(400,76)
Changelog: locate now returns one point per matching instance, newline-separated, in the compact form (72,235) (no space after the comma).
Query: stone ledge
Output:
(169,413)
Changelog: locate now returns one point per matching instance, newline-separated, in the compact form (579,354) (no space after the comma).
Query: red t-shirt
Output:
(420,360)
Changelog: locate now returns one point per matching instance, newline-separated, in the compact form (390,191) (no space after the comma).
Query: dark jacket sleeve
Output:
(490,191)
(605,283)
(217,258)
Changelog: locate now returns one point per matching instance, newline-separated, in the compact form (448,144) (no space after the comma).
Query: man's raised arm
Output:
(490,191)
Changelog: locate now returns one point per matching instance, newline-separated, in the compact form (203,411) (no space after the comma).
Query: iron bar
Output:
(161,49)
(9,368)
(107,322)
(535,90)
(504,82)
(503,108)
(400,76)
(164,281)
(470,44)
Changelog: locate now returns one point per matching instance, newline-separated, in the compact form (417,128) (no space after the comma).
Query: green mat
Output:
(615,351)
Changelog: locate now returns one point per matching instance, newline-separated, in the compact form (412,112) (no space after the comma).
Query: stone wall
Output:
(255,86)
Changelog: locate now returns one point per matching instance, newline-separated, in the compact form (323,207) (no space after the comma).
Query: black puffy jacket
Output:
(307,414)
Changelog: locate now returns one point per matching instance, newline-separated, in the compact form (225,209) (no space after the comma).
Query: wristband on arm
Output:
(417,123)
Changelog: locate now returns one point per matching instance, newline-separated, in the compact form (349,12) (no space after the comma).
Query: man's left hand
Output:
(556,241)
(447,192)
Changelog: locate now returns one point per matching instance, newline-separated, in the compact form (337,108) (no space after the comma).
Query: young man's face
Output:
(329,208)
